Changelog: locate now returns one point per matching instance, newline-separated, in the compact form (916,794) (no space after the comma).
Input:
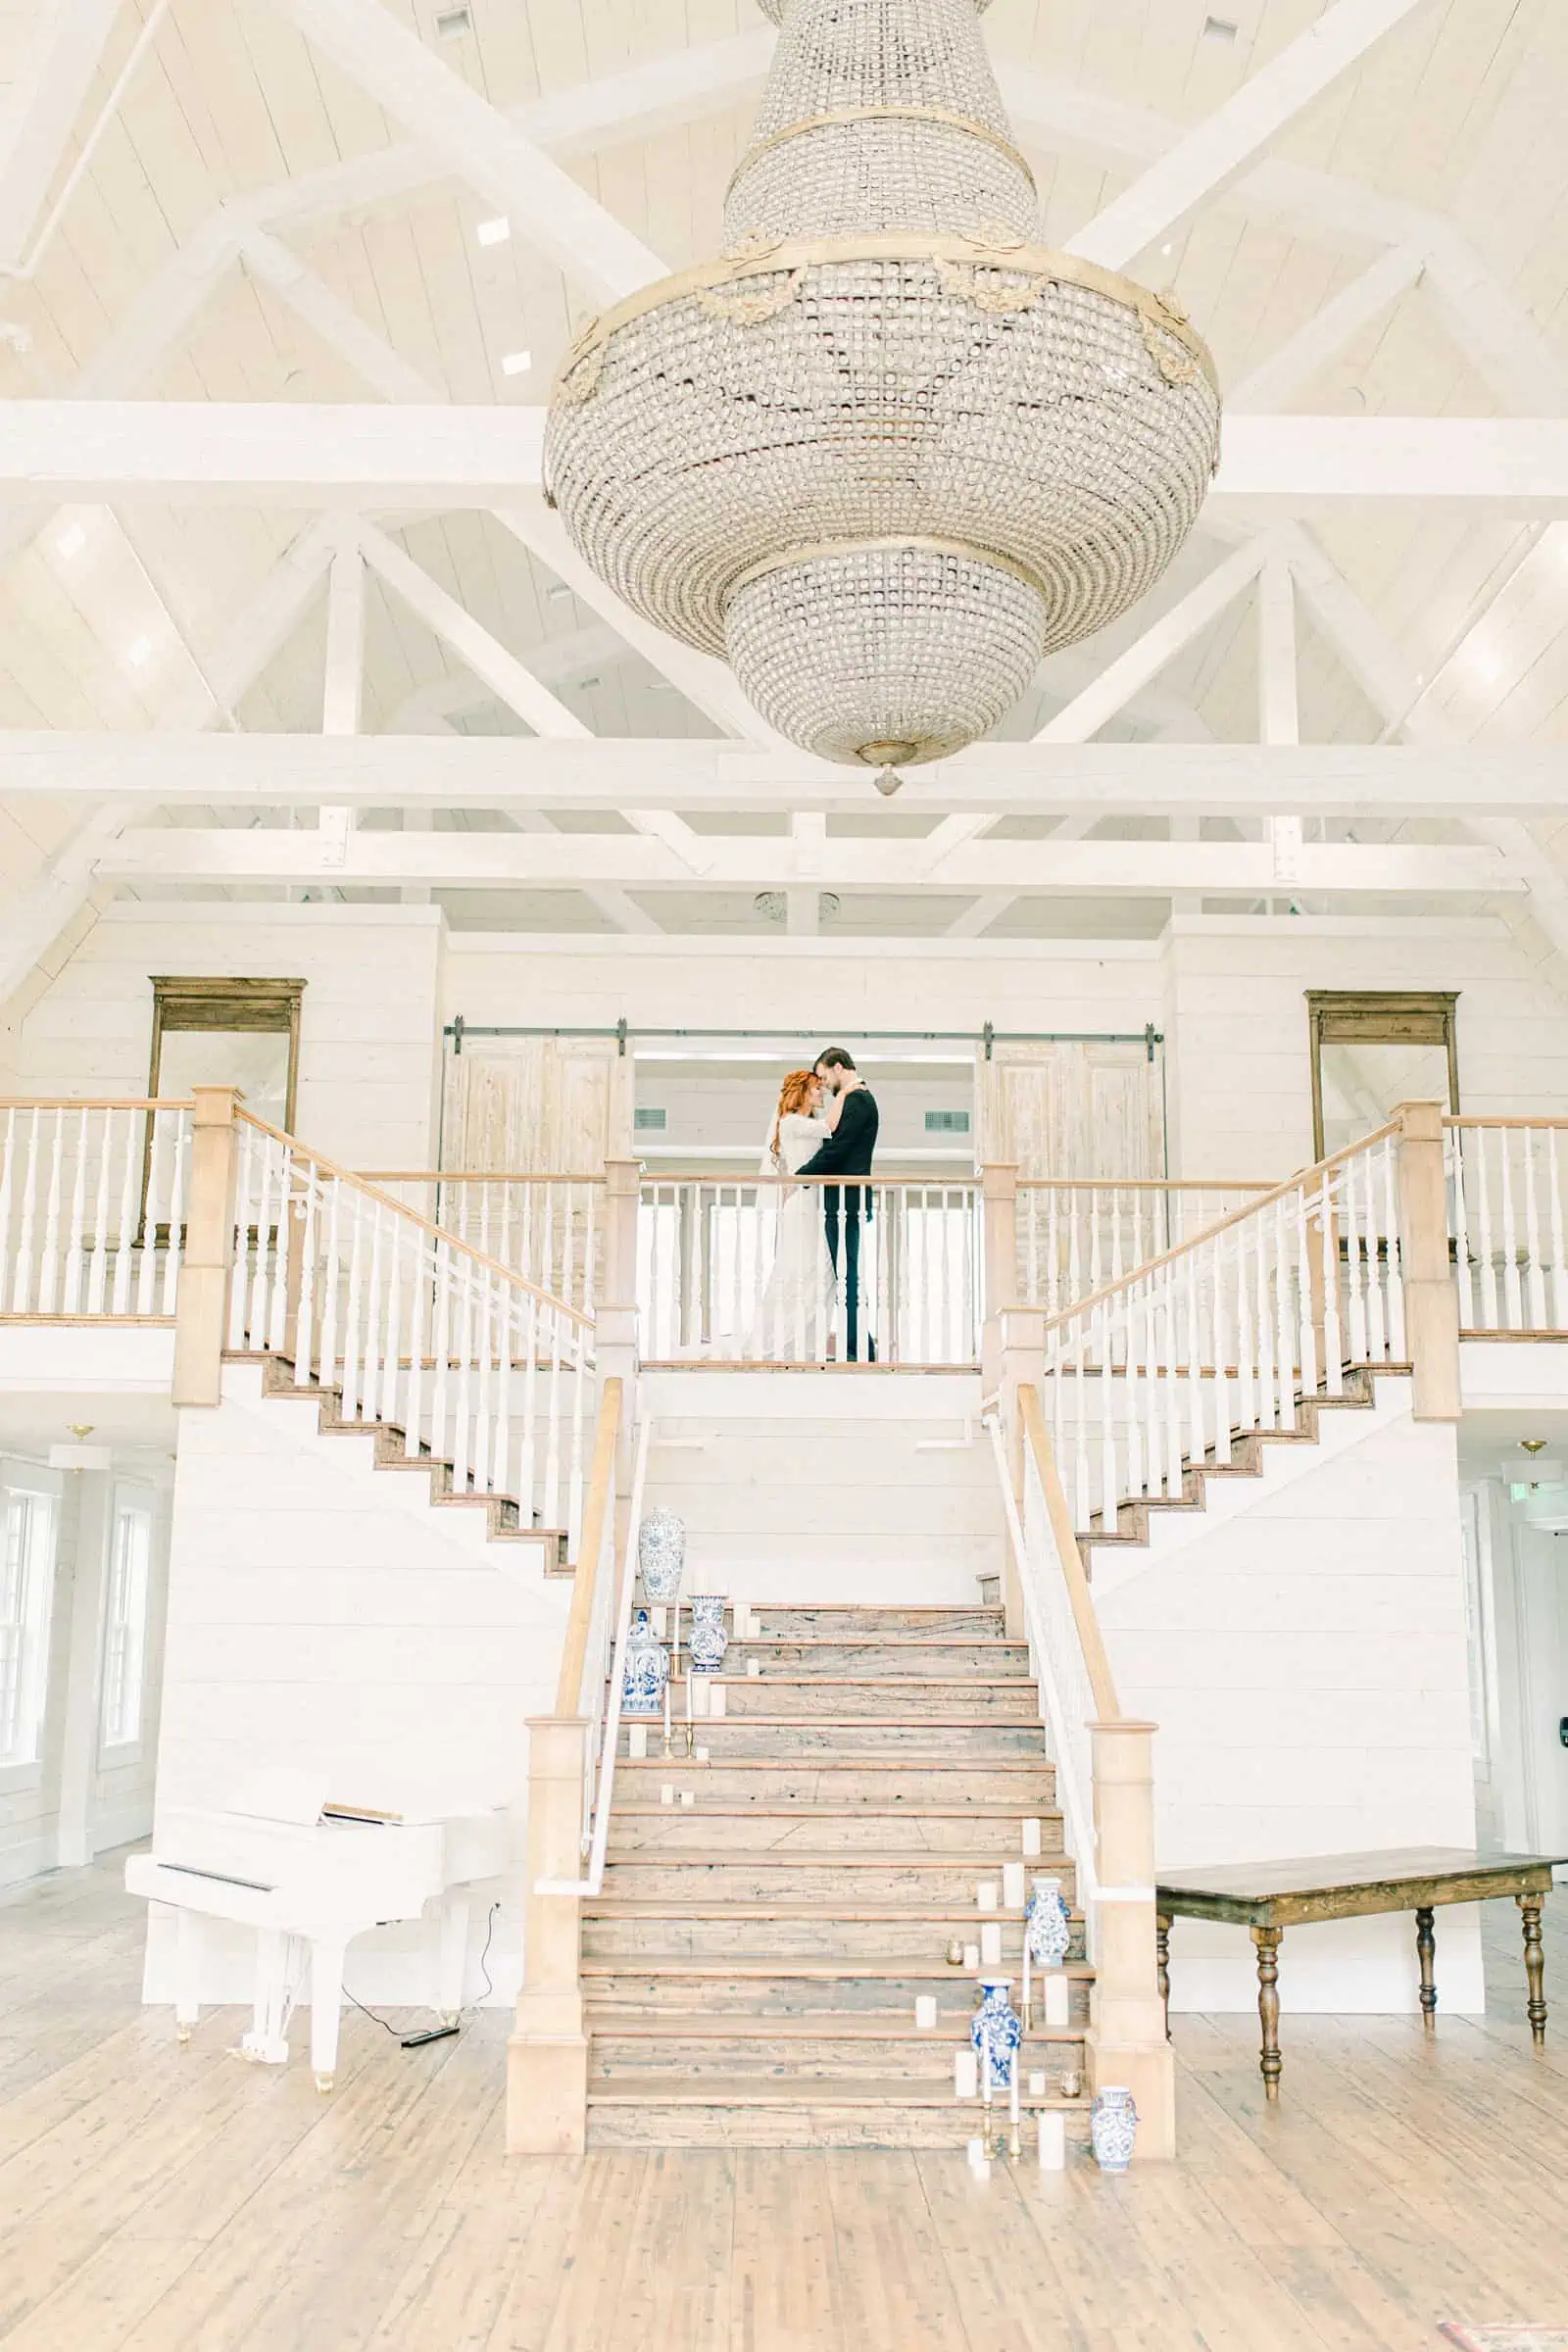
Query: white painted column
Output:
(93,1517)
(1278,709)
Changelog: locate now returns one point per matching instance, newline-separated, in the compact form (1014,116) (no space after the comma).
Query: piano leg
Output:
(327,2006)
(267,2038)
(452,1959)
(188,1941)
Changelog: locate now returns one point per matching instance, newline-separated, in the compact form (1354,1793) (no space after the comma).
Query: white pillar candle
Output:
(702,1755)
(1031,1839)
(637,1738)
(700,1694)
(667,1794)
(717,1702)
(966,2074)
(990,1943)
(753,1666)
(1037,2084)
(1053,2140)
(971,1956)
(925,2012)
(688,1796)
(658,1614)
(984,1895)
(1012,1885)
(1058,1996)
(977,2159)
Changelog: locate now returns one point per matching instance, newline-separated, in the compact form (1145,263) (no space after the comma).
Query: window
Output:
(126,1626)
(26,1579)
(947,1122)
(647,1121)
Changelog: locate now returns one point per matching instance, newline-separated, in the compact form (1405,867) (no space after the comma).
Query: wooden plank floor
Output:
(154,2200)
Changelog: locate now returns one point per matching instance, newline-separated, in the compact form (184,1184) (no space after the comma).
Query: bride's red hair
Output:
(793,1094)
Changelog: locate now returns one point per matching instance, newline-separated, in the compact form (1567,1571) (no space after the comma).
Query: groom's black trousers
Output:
(854,1210)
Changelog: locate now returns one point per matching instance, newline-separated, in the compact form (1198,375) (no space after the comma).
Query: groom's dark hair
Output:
(834,1058)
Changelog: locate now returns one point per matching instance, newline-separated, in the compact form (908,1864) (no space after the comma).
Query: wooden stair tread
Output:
(876,1759)
(799,1808)
(657,1906)
(811,1968)
(845,1723)
(833,2025)
(803,2091)
(792,1857)
(871,1682)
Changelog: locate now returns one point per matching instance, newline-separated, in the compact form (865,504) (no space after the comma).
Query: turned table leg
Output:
(1426,1945)
(1534,1964)
(1162,1962)
(1267,1941)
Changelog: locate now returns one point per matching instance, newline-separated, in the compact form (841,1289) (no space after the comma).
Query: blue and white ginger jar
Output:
(995,2025)
(642,1692)
(708,1639)
(1112,2127)
(1048,1923)
(661,1554)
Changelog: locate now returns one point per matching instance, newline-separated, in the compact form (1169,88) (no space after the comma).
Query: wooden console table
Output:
(1270,1897)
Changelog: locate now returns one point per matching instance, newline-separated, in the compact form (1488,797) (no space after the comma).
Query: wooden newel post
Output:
(1126,2041)
(202,1300)
(1431,1293)
(999,1189)
(547,2052)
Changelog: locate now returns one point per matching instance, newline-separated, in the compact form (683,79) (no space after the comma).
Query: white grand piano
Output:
(308,1878)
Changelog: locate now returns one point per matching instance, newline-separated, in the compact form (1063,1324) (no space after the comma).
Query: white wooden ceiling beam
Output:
(279,454)
(978,916)
(465,861)
(1220,149)
(41,109)
(546,206)
(1327,332)
(1096,780)
(1147,655)
(485,655)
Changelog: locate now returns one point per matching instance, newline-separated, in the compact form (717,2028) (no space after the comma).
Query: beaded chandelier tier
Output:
(885,453)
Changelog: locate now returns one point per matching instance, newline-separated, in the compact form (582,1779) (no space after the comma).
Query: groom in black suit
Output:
(846,1152)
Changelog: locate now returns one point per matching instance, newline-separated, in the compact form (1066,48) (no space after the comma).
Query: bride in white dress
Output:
(796,1312)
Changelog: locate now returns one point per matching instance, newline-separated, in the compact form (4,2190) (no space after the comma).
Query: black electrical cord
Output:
(484,1971)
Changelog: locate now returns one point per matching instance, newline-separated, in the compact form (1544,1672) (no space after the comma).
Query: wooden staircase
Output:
(751,1965)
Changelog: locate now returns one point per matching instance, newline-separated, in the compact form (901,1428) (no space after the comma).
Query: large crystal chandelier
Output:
(885,453)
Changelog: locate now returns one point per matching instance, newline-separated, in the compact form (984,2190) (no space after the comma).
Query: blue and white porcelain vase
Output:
(1048,1923)
(708,1639)
(995,2027)
(1112,2127)
(642,1692)
(661,1554)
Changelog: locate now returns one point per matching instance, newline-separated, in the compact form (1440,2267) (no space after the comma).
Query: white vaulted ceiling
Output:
(249,224)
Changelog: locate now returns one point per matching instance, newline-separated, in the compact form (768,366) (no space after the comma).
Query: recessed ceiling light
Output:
(493,232)
(450,23)
(557,590)
(1166,251)
(516,363)
(137,651)
(585,683)
(72,540)
(1220,31)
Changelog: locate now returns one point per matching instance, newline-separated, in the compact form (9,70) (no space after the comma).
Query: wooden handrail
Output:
(95,1103)
(1301,1181)
(478,1176)
(597,1508)
(1474,1119)
(442,1232)
(1146,1184)
(1091,1641)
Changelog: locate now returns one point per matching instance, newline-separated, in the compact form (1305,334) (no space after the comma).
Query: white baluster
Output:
(1306,1334)
(373,1403)
(98,1271)
(1535,1272)
(256,1320)
(130,1179)
(1136,1402)
(1512,1297)
(1485,1238)
(306,1334)
(552,1489)
(501,1481)
(460,1280)
(49,1253)
(1218,1255)
(1110,1469)
(332,1272)
(354,1306)
(422,1277)
(1559,1272)
(527,1481)
(1284,1317)
(75,1265)
(1171,1383)
(179,1146)
(1329,1256)
(1393,1258)
(577,1340)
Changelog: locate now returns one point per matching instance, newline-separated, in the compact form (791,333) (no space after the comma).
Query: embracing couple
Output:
(825,1125)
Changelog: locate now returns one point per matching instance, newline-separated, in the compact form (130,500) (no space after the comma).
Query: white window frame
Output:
(127,1615)
(26,1620)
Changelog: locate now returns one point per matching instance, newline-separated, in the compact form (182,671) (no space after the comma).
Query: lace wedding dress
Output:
(795,1311)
